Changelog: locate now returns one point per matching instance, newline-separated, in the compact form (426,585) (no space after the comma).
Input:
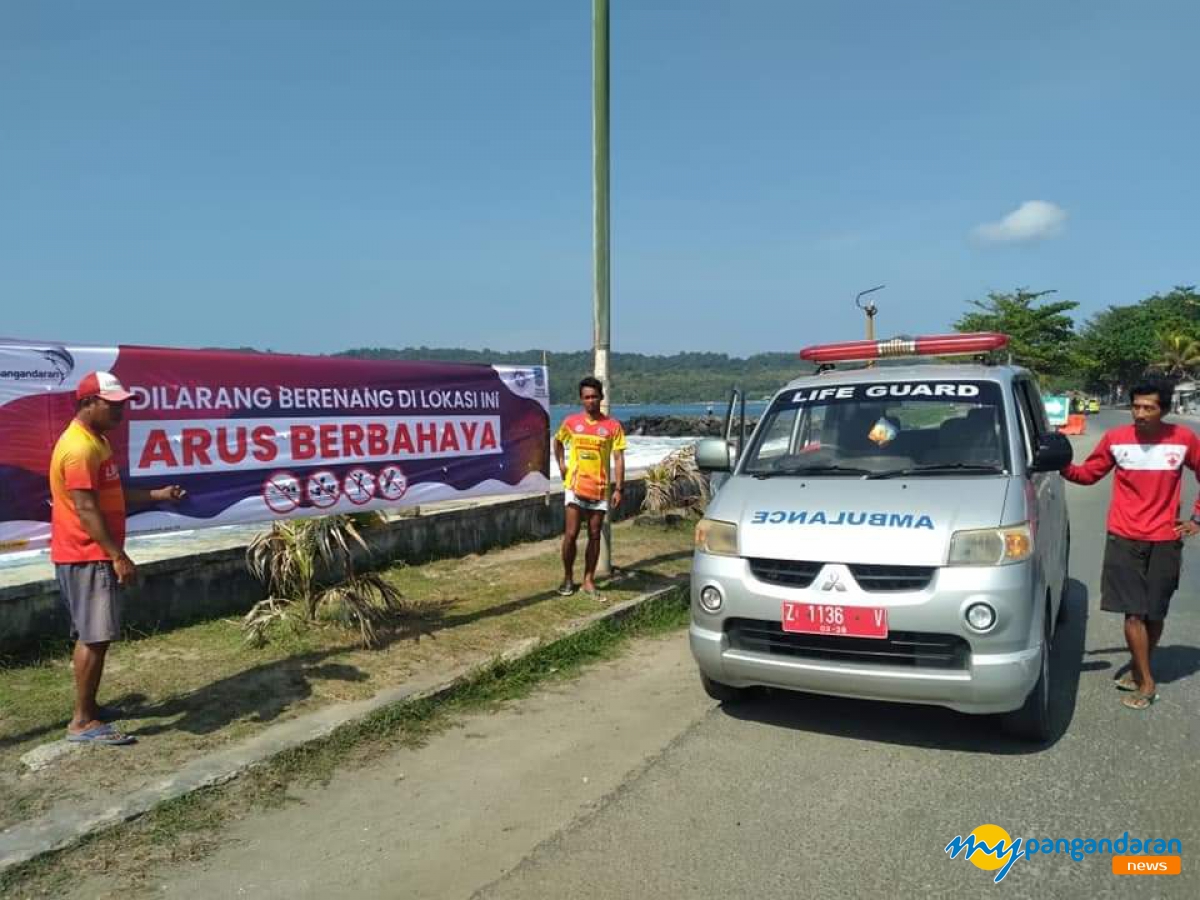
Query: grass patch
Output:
(187,828)
(187,691)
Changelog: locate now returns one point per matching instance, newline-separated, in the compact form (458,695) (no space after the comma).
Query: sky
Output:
(313,176)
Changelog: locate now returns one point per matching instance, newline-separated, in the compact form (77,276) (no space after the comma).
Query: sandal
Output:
(567,588)
(101,734)
(1126,683)
(1140,701)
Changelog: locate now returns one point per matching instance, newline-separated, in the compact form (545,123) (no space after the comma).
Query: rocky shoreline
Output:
(679,426)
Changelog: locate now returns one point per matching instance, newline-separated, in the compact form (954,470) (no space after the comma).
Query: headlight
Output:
(981,617)
(717,538)
(991,546)
(711,599)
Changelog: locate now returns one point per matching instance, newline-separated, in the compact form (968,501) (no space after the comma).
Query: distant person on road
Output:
(87,542)
(584,446)
(1144,549)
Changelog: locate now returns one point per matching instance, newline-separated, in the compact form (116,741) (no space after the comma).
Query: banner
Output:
(256,437)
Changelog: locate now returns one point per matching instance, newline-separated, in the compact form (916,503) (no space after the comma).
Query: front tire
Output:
(1062,595)
(722,693)
(1032,722)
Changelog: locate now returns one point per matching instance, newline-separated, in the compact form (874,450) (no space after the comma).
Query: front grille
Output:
(914,649)
(785,572)
(892,578)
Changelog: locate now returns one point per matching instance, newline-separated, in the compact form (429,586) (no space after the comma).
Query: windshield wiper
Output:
(813,470)
(940,469)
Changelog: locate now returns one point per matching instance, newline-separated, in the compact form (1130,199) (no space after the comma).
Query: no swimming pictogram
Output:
(281,492)
(359,486)
(392,483)
(324,489)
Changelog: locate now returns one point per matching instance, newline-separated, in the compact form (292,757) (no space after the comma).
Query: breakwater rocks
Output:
(678,426)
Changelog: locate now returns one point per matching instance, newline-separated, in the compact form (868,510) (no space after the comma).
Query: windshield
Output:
(882,429)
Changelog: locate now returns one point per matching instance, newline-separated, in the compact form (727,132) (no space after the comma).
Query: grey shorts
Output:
(92,596)
(1139,577)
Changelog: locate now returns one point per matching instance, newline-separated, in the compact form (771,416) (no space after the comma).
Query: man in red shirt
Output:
(87,541)
(595,441)
(1144,549)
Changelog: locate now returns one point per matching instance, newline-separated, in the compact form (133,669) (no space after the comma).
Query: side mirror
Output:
(712,455)
(1054,453)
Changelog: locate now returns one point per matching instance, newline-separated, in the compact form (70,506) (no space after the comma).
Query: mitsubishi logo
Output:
(834,583)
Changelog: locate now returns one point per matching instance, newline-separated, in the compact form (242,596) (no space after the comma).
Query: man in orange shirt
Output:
(87,541)
(594,441)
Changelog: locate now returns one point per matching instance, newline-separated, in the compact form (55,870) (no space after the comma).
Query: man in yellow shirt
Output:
(87,542)
(595,442)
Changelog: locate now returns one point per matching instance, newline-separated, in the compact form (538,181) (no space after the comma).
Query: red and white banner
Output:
(255,437)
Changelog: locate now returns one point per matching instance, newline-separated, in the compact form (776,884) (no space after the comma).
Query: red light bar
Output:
(930,345)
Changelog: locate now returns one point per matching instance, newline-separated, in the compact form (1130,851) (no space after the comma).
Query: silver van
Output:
(891,533)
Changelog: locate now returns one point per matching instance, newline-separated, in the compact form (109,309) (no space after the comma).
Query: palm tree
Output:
(1178,356)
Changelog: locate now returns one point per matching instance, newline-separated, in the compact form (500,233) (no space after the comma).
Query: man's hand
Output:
(1187,529)
(616,498)
(171,494)
(125,569)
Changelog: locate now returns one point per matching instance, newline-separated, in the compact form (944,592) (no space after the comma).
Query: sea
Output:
(643,451)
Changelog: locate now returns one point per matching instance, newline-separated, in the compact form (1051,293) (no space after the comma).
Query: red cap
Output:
(103,385)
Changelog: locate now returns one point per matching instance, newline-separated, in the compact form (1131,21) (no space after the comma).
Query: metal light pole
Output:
(600,235)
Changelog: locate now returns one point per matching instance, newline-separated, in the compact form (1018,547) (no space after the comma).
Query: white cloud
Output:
(1033,220)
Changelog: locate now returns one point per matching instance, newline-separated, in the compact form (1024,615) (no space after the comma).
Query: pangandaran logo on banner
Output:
(256,437)
(35,364)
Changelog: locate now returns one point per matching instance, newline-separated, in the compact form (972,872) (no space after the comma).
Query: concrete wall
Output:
(173,592)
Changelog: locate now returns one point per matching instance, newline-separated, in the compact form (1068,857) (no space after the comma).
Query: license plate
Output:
(844,621)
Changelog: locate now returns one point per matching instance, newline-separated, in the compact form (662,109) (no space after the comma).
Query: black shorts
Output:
(1140,576)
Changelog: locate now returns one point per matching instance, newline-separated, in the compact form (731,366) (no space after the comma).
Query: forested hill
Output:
(684,377)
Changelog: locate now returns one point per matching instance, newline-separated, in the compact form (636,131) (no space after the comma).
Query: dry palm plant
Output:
(676,483)
(307,566)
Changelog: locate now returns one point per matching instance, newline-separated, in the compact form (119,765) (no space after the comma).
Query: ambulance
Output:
(894,529)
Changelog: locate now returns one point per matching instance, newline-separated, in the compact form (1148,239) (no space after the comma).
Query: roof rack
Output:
(979,344)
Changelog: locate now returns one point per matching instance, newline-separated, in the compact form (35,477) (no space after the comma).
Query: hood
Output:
(849,520)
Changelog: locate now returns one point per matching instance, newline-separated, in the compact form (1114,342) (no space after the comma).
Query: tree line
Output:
(1109,351)
(637,377)
(1102,354)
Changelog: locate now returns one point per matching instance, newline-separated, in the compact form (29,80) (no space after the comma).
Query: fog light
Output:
(981,616)
(711,599)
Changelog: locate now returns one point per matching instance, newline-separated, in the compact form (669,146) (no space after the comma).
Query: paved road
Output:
(630,784)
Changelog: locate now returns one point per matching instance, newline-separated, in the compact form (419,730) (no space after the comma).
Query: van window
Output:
(1037,406)
(1028,418)
(777,435)
(882,427)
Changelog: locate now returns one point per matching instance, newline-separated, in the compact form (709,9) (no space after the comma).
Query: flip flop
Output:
(1140,701)
(101,734)
(595,594)
(1126,683)
(566,589)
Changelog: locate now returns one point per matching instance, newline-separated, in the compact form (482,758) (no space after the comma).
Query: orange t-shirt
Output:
(591,443)
(83,461)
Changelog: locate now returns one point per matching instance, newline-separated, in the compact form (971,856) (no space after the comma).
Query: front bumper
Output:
(996,674)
